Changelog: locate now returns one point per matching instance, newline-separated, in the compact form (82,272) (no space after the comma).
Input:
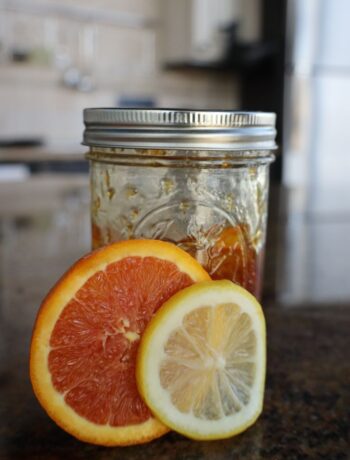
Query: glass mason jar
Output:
(196,178)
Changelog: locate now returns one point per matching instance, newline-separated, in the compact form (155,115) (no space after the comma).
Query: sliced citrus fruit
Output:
(201,361)
(84,344)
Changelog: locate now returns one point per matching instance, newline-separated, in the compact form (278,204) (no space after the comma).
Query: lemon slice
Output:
(202,359)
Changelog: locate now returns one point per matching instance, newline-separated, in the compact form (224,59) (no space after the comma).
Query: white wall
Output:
(318,98)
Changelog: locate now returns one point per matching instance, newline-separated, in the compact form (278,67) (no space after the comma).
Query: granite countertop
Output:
(307,400)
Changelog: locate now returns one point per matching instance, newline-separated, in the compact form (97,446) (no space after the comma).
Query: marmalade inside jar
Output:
(216,214)
(230,256)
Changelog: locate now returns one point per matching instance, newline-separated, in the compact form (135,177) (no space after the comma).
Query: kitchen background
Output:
(286,56)
(57,57)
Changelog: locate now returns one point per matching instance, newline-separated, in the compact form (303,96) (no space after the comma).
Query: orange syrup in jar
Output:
(96,237)
(230,255)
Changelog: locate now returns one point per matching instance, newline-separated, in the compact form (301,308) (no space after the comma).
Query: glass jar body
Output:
(212,206)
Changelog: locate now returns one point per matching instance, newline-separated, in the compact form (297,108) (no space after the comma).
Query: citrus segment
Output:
(87,333)
(201,361)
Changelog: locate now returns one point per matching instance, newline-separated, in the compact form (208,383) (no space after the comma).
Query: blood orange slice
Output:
(86,336)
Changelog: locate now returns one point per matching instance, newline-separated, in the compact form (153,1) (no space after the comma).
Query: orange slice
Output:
(86,336)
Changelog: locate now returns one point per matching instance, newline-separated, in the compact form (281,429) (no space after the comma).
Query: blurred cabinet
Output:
(198,30)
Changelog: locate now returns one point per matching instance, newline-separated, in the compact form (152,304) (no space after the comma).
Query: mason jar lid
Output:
(179,129)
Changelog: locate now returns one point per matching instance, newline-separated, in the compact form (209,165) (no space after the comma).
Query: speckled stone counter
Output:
(307,400)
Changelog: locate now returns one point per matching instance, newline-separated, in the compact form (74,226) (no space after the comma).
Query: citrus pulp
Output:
(86,336)
(201,361)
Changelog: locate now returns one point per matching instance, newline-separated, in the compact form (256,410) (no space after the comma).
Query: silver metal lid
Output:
(179,129)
